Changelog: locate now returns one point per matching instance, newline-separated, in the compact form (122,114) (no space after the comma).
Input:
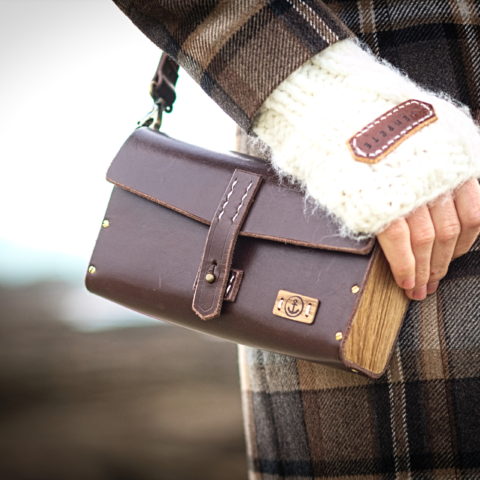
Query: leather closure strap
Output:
(214,269)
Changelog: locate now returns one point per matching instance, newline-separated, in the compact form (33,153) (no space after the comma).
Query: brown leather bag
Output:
(218,243)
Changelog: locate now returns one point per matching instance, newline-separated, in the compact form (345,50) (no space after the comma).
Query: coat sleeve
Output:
(239,52)
(291,73)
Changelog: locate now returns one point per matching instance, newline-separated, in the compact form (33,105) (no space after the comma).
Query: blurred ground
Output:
(139,403)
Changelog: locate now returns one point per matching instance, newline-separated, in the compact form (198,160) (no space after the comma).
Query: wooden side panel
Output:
(367,345)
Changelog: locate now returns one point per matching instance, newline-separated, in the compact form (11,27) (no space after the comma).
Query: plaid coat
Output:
(303,420)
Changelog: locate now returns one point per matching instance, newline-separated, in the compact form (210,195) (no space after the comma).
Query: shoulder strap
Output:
(162,91)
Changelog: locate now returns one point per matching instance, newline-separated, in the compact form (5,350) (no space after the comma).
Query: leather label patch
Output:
(295,307)
(387,132)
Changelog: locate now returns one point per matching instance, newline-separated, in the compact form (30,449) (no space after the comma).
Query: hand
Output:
(420,247)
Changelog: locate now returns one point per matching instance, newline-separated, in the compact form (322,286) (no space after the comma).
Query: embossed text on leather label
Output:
(387,132)
(295,306)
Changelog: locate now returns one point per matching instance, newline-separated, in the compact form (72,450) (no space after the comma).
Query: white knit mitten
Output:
(310,117)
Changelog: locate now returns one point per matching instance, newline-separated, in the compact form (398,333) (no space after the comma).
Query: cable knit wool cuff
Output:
(338,94)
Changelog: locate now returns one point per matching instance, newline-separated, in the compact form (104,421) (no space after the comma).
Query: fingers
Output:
(447,231)
(420,248)
(422,237)
(467,203)
(395,243)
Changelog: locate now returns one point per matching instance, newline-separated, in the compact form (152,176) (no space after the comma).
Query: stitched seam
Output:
(357,149)
(230,283)
(229,194)
(244,196)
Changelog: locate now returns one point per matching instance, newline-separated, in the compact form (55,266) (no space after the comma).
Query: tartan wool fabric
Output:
(422,419)
(437,42)
(303,420)
(238,51)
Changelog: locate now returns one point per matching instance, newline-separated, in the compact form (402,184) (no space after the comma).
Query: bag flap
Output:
(191,181)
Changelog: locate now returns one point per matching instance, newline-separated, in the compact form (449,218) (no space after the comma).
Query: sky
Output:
(74,81)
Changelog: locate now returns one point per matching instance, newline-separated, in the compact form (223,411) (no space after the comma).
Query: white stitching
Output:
(357,149)
(241,201)
(230,283)
(229,194)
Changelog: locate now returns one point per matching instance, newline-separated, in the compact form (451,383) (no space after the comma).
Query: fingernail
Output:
(409,293)
(408,284)
(432,287)
(420,293)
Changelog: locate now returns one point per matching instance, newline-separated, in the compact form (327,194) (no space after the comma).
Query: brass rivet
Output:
(210,277)
(355,289)
(338,336)
(105,223)
(91,269)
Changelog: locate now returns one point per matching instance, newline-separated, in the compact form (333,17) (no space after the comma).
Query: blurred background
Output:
(89,390)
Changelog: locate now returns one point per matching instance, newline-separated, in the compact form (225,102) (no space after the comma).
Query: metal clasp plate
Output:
(294,306)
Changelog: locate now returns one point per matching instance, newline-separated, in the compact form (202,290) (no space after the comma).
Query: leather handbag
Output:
(220,244)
